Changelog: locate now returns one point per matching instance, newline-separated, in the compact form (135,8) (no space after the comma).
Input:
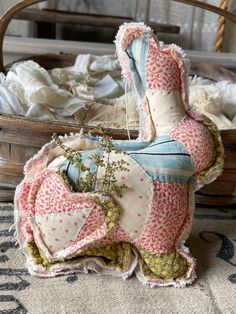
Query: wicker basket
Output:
(21,138)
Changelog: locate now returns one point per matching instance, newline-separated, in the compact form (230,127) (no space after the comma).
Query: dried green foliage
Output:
(83,183)
(107,184)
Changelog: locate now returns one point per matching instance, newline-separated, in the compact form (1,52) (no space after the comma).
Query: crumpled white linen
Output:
(112,114)
(91,92)
(87,63)
(57,95)
(9,103)
(34,85)
(217,100)
(101,73)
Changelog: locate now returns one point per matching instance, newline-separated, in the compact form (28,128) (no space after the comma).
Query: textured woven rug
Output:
(212,241)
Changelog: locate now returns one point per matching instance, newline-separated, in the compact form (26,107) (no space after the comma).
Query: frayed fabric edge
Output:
(93,264)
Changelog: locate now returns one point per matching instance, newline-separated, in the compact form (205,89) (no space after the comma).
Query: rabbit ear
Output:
(126,34)
(128,31)
(183,62)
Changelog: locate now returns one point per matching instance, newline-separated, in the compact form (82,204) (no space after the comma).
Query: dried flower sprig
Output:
(107,183)
(82,184)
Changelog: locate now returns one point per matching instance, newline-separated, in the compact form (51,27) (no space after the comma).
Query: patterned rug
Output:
(212,241)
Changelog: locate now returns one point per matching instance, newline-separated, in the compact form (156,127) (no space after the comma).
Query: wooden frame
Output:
(209,7)
(57,16)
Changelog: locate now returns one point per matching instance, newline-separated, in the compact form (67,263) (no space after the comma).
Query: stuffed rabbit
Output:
(142,229)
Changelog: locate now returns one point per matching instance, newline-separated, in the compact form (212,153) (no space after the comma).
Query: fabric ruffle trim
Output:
(132,264)
(209,174)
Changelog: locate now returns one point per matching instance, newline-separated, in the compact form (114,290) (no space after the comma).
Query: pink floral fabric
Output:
(51,197)
(169,213)
(130,33)
(197,140)
(54,197)
(162,71)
